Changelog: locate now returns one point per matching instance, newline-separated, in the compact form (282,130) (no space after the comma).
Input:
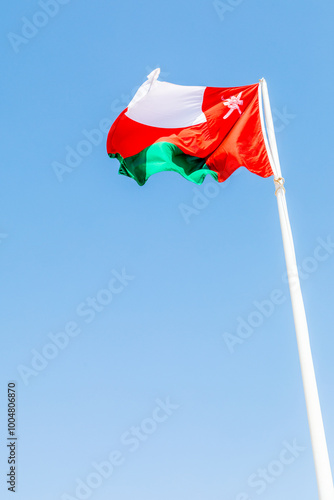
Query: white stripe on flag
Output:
(165,105)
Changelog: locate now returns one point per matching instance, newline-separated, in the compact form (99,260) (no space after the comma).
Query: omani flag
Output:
(194,131)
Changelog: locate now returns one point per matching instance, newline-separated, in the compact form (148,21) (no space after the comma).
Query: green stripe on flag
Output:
(160,157)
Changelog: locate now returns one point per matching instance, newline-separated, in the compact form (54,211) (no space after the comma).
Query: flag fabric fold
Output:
(194,131)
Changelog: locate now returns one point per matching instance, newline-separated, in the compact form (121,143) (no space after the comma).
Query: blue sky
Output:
(144,377)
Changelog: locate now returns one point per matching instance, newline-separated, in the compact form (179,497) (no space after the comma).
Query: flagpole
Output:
(318,438)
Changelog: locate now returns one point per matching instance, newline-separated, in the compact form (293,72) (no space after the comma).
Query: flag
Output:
(191,130)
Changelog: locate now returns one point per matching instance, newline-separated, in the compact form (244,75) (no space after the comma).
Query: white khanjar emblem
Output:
(233,104)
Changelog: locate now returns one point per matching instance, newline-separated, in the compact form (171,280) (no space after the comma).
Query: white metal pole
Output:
(318,438)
